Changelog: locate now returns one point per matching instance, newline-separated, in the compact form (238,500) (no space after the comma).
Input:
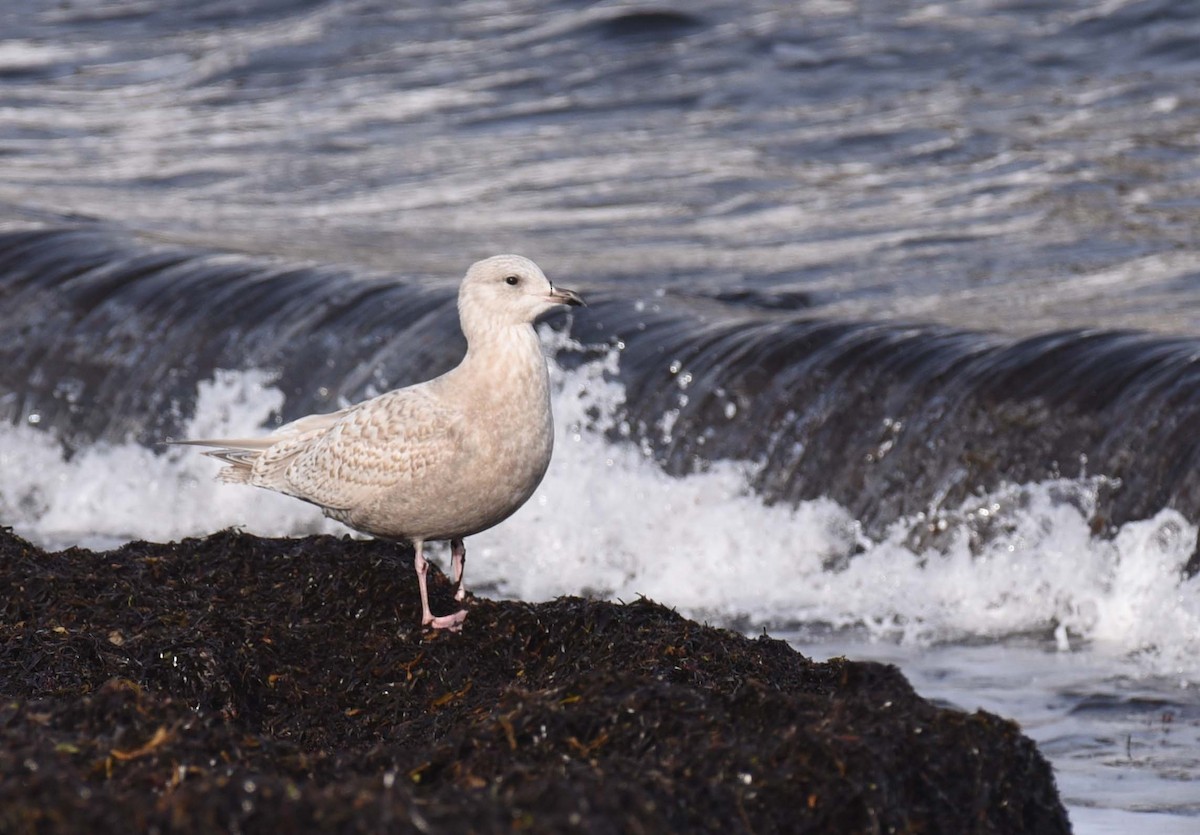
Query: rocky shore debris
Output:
(241,684)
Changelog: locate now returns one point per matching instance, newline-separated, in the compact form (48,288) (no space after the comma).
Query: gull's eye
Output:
(511,280)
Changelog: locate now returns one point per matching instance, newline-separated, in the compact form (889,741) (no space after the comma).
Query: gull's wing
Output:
(384,442)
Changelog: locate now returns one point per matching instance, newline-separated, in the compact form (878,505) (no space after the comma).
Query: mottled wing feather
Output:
(396,438)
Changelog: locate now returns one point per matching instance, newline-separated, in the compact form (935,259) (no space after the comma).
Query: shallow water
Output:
(894,325)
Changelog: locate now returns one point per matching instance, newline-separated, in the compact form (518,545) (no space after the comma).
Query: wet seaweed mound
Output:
(241,684)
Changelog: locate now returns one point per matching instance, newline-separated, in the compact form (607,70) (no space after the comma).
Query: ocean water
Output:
(893,346)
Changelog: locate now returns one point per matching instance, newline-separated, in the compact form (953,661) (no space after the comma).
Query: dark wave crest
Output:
(105,338)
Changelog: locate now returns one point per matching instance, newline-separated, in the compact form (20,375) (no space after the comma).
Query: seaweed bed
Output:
(240,684)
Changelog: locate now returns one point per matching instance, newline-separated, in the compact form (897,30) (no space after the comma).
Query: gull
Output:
(440,460)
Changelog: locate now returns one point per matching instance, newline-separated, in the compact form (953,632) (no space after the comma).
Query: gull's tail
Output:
(238,453)
(241,455)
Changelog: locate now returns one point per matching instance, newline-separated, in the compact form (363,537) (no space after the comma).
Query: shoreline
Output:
(236,682)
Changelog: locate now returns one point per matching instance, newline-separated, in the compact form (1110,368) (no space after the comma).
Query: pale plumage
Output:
(440,460)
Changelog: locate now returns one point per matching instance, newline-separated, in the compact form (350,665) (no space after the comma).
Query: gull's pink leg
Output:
(458,564)
(452,622)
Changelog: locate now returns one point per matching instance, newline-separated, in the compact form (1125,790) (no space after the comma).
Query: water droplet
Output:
(1061,640)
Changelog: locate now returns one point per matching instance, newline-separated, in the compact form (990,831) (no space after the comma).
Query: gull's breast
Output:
(502,454)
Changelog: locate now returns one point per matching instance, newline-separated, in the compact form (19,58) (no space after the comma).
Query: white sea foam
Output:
(109,493)
(608,521)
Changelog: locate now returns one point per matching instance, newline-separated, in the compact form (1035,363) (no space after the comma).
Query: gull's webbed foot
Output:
(452,622)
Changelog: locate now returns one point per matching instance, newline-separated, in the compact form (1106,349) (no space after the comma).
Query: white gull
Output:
(440,460)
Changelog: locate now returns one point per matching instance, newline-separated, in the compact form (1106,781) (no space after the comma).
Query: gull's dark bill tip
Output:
(568,297)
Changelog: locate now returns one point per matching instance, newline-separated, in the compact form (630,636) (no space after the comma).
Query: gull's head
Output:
(507,290)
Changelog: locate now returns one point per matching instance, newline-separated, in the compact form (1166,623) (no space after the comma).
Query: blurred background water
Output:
(893,339)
